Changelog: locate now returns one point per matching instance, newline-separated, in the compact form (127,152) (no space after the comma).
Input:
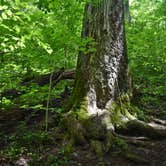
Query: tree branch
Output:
(56,77)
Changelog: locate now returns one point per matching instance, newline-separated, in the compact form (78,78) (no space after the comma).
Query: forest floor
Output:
(22,141)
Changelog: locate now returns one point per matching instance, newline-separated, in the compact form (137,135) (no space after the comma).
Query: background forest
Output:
(40,41)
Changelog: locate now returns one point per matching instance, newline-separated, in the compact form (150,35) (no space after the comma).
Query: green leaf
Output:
(4,16)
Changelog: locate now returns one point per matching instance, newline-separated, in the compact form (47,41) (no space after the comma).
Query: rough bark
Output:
(101,76)
(104,73)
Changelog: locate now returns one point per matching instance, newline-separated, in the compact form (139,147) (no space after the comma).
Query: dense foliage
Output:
(37,37)
(146,38)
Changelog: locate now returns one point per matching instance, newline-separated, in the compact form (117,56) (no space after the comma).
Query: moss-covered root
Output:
(97,147)
(136,127)
(73,129)
(101,147)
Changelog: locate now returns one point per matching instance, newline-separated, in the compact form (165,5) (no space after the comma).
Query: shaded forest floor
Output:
(23,140)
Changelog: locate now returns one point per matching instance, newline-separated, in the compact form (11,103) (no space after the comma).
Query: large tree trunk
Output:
(101,76)
(99,103)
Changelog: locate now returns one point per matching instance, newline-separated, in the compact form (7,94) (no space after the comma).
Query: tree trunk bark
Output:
(101,76)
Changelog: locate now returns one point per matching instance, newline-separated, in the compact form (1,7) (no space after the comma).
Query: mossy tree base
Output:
(100,130)
(97,127)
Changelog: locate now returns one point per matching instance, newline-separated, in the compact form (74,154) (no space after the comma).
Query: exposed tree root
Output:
(100,132)
(130,138)
(93,128)
(137,128)
(158,121)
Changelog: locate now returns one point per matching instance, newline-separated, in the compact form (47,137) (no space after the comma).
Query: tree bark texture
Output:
(103,75)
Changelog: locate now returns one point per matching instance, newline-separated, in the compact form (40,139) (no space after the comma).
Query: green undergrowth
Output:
(119,146)
(39,148)
(32,96)
(146,38)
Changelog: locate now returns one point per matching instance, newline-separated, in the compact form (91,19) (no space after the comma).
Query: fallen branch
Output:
(56,77)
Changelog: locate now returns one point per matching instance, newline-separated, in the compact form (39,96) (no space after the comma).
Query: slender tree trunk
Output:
(127,11)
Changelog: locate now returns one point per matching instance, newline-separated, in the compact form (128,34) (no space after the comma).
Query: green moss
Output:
(98,149)
(79,92)
(91,125)
(67,149)
(109,142)
(122,110)
(94,128)
(120,145)
(75,129)
(81,110)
